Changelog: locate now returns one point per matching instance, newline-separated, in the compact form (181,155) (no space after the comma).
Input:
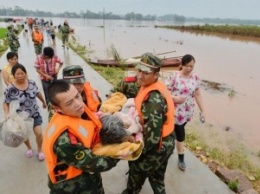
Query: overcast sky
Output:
(240,9)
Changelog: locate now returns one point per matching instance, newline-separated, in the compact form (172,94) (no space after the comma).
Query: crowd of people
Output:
(75,125)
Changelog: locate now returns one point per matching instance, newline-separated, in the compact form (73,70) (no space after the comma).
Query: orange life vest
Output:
(168,125)
(93,101)
(37,37)
(86,131)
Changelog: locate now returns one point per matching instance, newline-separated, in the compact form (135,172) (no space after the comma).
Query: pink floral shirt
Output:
(184,87)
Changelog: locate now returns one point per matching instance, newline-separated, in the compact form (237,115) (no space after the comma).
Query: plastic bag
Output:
(16,129)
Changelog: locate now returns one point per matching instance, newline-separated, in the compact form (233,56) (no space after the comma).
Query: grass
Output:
(3,41)
(3,33)
(233,158)
(233,185)
(111,74)
(241,30)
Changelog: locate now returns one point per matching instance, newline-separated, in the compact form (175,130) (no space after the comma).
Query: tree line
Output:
(18,11)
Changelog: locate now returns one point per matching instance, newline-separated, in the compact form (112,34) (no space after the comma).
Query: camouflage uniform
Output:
(128,86)
(65,30)
(90,181)
(38,48)
(12,40)
(38,45)
(153,162)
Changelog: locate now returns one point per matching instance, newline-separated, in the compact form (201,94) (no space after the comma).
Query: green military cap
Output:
(10,26)
(74,74)
(148,62)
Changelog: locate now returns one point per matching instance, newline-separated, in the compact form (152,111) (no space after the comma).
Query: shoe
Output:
(40,156)
(29,153)
(181,165)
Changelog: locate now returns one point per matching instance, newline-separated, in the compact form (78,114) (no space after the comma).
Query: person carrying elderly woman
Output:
(68,142)
(156,111)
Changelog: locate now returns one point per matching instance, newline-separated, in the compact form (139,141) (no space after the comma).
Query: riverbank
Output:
(232,157)
(240,30)
(14,165)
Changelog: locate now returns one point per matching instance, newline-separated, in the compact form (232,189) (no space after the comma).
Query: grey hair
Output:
(112,129)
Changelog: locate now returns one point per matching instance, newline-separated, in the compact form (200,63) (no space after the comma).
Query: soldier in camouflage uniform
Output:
(37,38)
(153,111)
(65,30)
(12,39)
(69,150)
(128,86)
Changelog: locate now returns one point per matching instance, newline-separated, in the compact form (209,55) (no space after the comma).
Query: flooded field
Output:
(231,62)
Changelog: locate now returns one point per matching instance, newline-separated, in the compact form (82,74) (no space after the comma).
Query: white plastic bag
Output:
(16,129)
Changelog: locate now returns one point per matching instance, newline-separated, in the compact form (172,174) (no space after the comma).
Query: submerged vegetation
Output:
(232,157)
(241,30)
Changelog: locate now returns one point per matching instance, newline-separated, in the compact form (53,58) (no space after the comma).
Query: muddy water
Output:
(233,62)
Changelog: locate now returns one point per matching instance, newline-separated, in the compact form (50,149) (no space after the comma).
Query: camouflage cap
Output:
(148,62)
(74,74)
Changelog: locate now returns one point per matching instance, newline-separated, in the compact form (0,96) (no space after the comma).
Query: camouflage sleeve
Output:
(80,156)
(154,110)
(65,29)
(129,89)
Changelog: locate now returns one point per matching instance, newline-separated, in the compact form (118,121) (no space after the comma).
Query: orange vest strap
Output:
(73,139)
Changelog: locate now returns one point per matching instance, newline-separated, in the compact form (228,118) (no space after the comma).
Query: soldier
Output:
(75,75)
(37,38)
(156,110)
(128,86)
(12,39)
(65,30)
(72,167)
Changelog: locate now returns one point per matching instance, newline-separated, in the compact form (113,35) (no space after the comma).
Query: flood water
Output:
(232,62)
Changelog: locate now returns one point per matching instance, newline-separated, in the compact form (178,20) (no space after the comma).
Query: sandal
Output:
(29,153)
(41,156)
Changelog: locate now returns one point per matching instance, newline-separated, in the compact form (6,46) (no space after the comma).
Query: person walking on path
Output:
(156,111)
(71,165)
(65,31)
(7,75)
(185,87)
(26,91)
(37,38)
(12,39)
(46,65)
(52,32)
